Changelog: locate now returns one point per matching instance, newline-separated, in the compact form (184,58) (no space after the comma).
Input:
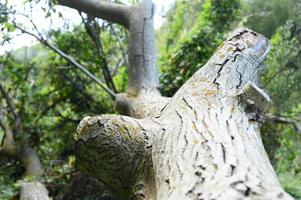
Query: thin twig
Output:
(93,30)
(8,101)
(70,60)
(284,120)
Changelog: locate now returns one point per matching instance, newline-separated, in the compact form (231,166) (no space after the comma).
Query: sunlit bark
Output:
(203,143)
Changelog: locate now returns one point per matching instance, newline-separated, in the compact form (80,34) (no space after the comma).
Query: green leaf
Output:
(9,27)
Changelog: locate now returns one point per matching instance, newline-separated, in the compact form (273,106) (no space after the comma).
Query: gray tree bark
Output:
(203,143)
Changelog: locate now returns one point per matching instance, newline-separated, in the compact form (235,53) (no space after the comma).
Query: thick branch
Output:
(30,160)
(143,74)
(142,98)
(146,104)
(26,155)
(8,147)
(118,147)
(113,12)
(236,62)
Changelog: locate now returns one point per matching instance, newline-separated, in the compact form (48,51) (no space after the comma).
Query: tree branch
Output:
(237,62)
(25,154)
(143,73)
(123,51)
(115,141)
(202,137)
(283,120)
(2,126)
(11,107)
(8,147)
(113,12)
(8,101)
(70,60)
(93,30)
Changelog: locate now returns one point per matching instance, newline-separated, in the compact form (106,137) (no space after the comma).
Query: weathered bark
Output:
(123,152)
(145,104)
(204,143)
(116,13)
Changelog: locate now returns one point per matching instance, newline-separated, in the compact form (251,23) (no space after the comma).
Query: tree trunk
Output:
(33,190)
(204,143)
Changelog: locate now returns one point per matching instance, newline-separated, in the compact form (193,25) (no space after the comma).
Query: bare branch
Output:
(2,126)
(70,60)
(17,117)
(93,30)
(113,12)
(284,120)
(8,101)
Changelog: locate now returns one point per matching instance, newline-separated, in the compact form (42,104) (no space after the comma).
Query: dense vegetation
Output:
(50,95)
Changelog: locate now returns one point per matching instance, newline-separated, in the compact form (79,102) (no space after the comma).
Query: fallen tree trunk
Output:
(204,143)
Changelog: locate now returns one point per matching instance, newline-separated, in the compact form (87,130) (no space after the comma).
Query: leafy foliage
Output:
(51,97)
(283,69)
(180,62)
(282,80)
